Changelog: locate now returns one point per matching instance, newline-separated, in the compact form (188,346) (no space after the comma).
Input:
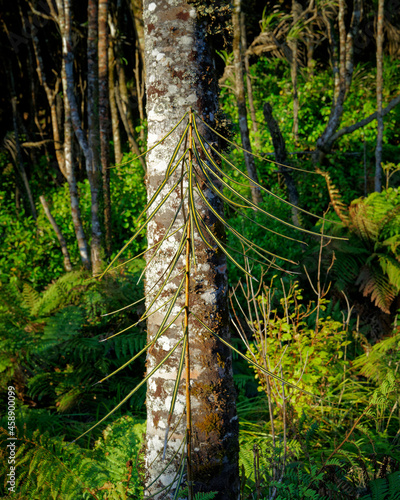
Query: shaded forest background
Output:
(318,85)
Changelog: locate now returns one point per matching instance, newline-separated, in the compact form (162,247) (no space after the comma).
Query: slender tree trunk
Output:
(104,121)
(180,76)
(71,178)
(281,157)
(88,146)
(51,98)
(93,163)
(128,128)
(63,149)
(296,11)
(247,70)
(137,15)
(18,157)
(57,230)
(113,107)
(379,88)
(241,104)
(310,55)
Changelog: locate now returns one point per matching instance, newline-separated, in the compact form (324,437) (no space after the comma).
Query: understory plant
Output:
(340,446)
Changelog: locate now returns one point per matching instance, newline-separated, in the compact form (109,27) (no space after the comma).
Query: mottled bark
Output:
(57,230)
(104,120)
(379,88)
(180,75)
(89,146)
(281,157)
(66,155)
(241,104)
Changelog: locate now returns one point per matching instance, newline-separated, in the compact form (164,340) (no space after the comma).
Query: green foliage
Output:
(50,468)
(271,83)
(50,349)
(30,251)
(371,257)
(385,488)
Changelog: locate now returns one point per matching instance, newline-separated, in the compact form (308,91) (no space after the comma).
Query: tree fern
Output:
(370,258)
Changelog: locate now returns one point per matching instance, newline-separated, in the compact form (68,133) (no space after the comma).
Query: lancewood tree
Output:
(179,76)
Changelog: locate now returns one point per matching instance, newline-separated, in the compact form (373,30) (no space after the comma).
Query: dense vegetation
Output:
(331,326)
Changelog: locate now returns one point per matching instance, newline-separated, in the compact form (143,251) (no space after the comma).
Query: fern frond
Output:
(373,283)
(336,200)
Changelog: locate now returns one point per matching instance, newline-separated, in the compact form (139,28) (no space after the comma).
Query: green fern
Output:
(52,469)
(370,258)
(386,488)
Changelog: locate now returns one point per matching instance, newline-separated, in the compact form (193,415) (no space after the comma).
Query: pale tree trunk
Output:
(241,104)
(71,178)
(63,149)
(104,121)
(179,76)
(379,88)
(89,146)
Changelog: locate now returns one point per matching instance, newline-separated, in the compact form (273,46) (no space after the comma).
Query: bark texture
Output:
(90,144)
(67,157)
(104,120)
(379,87)
(179,76)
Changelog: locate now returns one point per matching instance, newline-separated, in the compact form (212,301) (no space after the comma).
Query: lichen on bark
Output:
(180,75)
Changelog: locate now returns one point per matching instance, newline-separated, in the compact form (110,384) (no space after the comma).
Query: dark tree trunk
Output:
(180,76)
(281,157)
(104,120)
(19,162)
(92,154)
(249,86)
